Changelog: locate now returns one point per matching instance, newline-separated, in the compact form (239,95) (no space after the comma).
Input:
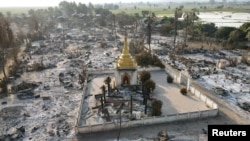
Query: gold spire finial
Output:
(126,61)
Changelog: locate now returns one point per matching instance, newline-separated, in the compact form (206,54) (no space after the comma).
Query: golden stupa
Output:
(126,61)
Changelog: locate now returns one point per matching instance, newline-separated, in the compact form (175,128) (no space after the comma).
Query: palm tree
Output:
(6,40)
(149,34)
(175,24)
(190,17)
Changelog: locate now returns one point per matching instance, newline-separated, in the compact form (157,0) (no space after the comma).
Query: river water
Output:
(224,18)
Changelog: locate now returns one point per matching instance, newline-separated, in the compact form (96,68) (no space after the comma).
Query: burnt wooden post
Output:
(146,100)
(104,97)
(131,105)
(102,101)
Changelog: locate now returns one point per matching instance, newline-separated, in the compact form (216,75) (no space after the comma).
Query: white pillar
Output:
(188,83)
(179,78)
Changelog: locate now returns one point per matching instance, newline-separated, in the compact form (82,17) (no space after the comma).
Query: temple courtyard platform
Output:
(175,106)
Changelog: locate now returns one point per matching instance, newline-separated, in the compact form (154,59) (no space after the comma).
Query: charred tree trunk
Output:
(4,63)
(149,34)
(175,25)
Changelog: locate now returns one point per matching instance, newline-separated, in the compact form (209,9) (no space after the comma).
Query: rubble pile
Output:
(244,103)
(25,85)
(163,136)
(70,79)
(13,133)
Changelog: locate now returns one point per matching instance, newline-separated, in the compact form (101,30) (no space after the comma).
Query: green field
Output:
(18,10)
(168,10)
(159,9)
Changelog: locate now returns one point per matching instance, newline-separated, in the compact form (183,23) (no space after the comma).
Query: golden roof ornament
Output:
(126,61)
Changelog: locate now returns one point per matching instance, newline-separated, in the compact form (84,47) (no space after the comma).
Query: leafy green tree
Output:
(144,76)
(245,27)
(235,37)
(166,28)
(149,85)
(248,36)
(189,18)
(124,19)
(143,59)
(68,8)
(208,29)
(223,32)
(103,12)
(157,62)
(82,8)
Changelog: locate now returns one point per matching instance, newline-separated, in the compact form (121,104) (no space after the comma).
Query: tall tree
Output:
(6,39)
(235,37)
(149,30)
(189,18)
(177,14)
(248,36)
(175,24)
(223,32)
(144,76)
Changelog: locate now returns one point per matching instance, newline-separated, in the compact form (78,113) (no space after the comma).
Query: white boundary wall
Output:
(146,121)
(154,120)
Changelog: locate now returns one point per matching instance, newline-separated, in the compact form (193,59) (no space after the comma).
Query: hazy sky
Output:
(25,3)
(28,3)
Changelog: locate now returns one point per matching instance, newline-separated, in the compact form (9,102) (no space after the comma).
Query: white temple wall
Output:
(132,75)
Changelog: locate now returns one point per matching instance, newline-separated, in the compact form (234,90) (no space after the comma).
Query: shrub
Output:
(183,91)
(170,79)
(156,107)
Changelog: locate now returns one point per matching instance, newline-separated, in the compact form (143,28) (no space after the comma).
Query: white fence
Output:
(146,121)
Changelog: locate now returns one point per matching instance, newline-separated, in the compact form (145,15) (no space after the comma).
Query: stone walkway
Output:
(173,101)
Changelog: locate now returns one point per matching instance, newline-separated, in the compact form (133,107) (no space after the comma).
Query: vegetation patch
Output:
(170,79)
(183,91)
(156,107)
